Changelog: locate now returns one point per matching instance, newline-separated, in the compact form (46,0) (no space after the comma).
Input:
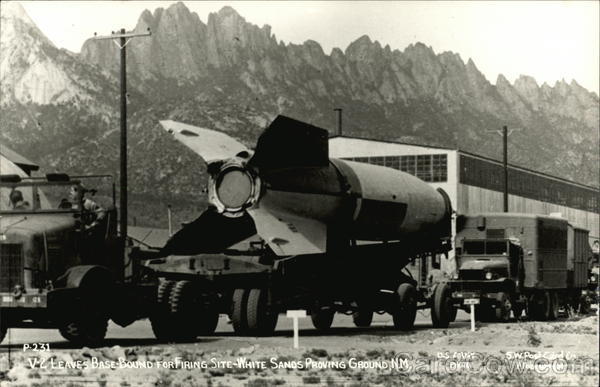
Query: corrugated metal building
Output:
(475,183)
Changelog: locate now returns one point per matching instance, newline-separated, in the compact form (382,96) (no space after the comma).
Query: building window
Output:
(430,168)
(424,167)
(408,164)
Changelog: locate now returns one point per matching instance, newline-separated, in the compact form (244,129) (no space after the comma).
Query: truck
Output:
(515,263)
(59,268)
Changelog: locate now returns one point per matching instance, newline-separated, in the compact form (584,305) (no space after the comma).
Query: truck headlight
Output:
(593,279)
(489,275)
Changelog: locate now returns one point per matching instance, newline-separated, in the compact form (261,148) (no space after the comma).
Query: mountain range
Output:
(60,108)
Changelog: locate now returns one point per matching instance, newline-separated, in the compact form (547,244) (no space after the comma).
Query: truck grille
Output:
(11,266)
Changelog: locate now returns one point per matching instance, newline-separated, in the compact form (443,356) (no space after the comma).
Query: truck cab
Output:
(51,250)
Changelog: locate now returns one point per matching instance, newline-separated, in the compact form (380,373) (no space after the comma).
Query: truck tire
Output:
(362,318)
(405,311)
(441,308)
(3,330)
(584,304)
(185,305)
(86,331)
(238,311)
(502,311)
(539,306)
(261,320)
(322,318)
(160,318)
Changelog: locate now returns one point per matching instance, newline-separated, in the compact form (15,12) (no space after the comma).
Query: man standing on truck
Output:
(92,212)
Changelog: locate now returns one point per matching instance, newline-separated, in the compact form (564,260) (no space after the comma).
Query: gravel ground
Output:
(561,353)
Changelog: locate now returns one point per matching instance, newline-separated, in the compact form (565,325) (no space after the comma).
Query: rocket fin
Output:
(290,234)
(208,144)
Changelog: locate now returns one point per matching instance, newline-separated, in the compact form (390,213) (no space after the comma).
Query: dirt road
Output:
(563,352)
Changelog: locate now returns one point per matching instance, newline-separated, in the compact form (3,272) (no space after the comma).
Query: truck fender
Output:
(88,277)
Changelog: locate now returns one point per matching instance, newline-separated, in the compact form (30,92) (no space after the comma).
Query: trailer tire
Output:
(184,301)
(362,318)
(238,311)
(261,320)
(86,331)
(209,321)
(405,311)
(160,320)
(440,311)
(322,318)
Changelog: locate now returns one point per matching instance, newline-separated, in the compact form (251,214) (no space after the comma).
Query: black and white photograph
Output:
(299,193)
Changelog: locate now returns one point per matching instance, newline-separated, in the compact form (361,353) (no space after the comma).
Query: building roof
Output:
(513,166)
(19,160)
(390,142)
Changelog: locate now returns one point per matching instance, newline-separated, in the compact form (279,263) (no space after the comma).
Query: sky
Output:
(550,41)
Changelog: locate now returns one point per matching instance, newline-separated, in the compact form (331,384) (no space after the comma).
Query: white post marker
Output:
(295,315)
(472,302)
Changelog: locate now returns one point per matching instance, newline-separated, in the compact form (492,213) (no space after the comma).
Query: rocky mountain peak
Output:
(14,10)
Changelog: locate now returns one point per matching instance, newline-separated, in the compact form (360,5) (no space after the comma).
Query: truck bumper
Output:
(11,300)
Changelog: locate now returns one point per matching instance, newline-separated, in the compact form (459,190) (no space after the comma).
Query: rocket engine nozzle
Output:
(233,188)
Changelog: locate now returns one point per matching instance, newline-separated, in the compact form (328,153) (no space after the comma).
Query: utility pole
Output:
(121,39)
(505,133)
(339,120)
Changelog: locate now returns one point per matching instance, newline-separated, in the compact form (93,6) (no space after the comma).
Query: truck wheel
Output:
(261,320)
(405,311)
(517,310)
(184,301)
(539,306)
(160,320)
(554,306)
(238,311)
(442,305)
(362,318)
(3,330)
(87,331)
(584,305)
(485,313)
(322,318)
(502,311)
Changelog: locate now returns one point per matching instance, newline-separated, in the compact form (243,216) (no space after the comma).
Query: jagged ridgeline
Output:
(61,108)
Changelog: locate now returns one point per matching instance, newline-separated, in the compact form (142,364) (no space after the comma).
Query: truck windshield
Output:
(32,197)
(484,248)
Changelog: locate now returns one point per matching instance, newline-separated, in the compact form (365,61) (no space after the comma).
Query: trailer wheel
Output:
(261,320)
(405,311)
(323,318)
(209,321)
(160,320)
(441,309)
(87,330)
(238,311)
(362,318)
(184,301)
(503,309)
